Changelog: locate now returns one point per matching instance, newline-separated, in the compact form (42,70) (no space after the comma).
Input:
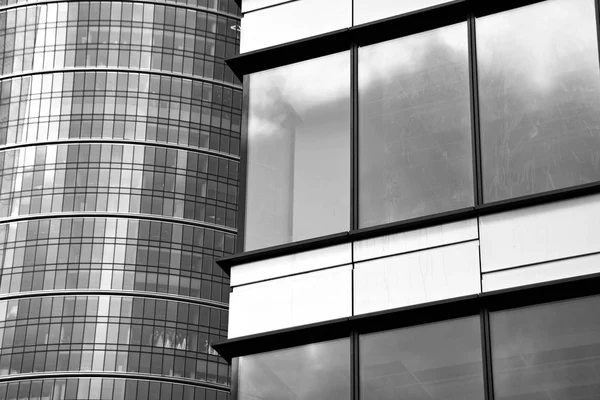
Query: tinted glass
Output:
(415,131)
(293,21)
(298,152)
(371,10)
(549,351)
(435,361)
(540,105)
(314,371)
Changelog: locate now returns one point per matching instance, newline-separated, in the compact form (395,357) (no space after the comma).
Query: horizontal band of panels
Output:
(116,292)
(124,69)
(118,215)
(121,141)
(412,315)
(125,375)
(160,3)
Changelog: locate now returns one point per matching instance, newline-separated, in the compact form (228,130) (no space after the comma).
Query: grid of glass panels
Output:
(120,179)
(187,170)
(100,388)
(538,126)
(120,105)
(116,34)
(112,333)
(224,6)
(114,253)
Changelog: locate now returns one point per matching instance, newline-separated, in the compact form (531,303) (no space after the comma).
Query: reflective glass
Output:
(549,351)
(415,154)
(293,21)
(298,152)
(104,389)
(540,106)
(434,361)
(315,371)
(175,335)
(83,34)
(114,253)
(371,10)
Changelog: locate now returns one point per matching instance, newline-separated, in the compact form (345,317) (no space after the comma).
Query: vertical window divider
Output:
(597,9)
(243,178)
(486,349)
(475,123)
(355,366)
(354,136)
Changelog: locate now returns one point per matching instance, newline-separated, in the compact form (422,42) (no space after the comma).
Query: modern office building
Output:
(119,154)
(421,206)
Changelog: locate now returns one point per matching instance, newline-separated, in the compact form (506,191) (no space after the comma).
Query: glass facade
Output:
(415,130)
(441,360)
(298,152)
(439,124)
(315,371)
(119,156)
(540,110)
(547,351)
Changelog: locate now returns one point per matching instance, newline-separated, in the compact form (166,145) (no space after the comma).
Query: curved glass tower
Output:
(119,152)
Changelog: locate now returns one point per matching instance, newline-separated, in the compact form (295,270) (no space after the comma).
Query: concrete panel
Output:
(538,234)
(415,240)
(292,264)
(419,277)
(292,301)
(546,272)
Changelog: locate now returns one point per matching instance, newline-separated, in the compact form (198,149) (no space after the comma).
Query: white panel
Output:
(542,273)
(292,264)
(543,233)
(415,240)
(420,277)
(249,5)
(292,301)
(293,21)
(372,10)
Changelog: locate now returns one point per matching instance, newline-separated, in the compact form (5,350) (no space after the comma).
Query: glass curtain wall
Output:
(119,156)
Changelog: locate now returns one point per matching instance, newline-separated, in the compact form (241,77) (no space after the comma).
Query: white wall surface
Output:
(292,264)
(293,21)
(550,271)
(419,277)
(292,301)
(539,234)
(415,240)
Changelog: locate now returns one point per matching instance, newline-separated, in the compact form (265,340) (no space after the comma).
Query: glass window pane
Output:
(540,105)
(299,152)
(549,351)
(293,21)
(371,10)
(441,361)
(315,371)
(415,154)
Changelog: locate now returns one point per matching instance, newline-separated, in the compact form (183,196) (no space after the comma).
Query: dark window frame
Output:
(351,39)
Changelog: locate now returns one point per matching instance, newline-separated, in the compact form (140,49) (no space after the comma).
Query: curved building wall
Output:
(119,156)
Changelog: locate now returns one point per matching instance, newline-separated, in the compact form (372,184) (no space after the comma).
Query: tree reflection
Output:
(539,107)
(415,130)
